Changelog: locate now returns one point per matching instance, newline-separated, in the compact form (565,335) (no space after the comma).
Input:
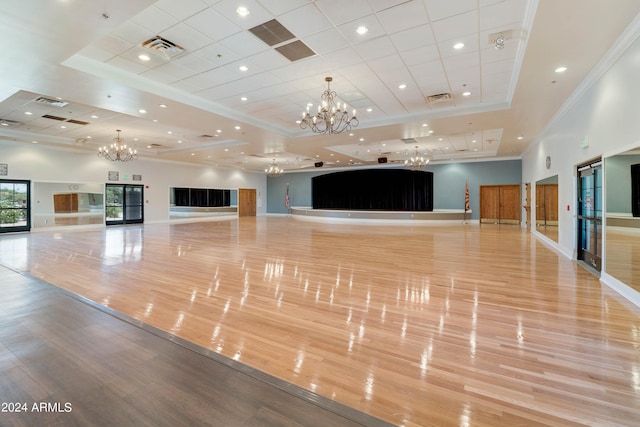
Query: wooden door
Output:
(489,203)
(551,203)
(527,204)
(510,204)
(246,202)
(65,203)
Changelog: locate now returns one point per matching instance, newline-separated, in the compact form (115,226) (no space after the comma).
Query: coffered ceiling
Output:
(213,92)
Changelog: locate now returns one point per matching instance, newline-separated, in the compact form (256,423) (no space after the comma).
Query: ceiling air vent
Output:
(163,47)
(155,145)
(272,32)
(52,102)
(205,136)
(438,98)
(49,116)
(77,122)
(409,141)
(295,51)
(10,123)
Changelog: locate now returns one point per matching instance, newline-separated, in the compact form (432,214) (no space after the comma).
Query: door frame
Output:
(27,226)
(124,219)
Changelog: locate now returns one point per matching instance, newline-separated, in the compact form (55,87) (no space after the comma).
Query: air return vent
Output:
(49,116)
(163,47)
(52,102)
(272,32)
(295,51)
(409,141)
(438,98)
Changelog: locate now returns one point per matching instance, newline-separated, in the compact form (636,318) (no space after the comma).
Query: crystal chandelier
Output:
(331,116)
(417,161)
(118,151)
(274,169)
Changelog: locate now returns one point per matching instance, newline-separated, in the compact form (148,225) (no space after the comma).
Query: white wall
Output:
(47,164)
(605,111)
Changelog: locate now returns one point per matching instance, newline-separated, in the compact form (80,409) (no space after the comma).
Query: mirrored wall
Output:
(56,204)
(190,203)
(622,226)
(547,207)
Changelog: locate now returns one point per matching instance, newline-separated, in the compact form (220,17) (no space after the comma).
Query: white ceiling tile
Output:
(269,60)
(413,38)
(212,24)
(305,21)
(348,30)
(456,26)
(113,45)
(131,32)
(155,20)
(218,54)
(278,7)
(181,9)
(126,65)
(194,62)
(185,36)
(499,15)
(379,5)
(95,53)
(326,41)
(346,11)
(420,55)
(375,48)
(439,9)
(342,58)
(471,44)
(403,16)
(244,44)
(257,14)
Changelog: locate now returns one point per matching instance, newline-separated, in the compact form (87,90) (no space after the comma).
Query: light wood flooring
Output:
(460,325)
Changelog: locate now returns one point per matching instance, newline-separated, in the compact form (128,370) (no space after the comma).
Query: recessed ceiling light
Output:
(193,154)
(439,139)
(155,120)
(237,127)
(474,141)
(141,111)
(28,113)
(361,139)
(143,57)
(431,131)
(298,121)
(424,125)
(362,30)
(369,110)
(34,142)
(459,45)
(226,149)
(331,154)
(88,136)
(4,124)
(520,137)
(351,134)
(402,86)
(163,105)
(94,117)
(179,141)
(242,11)
(467,93)
(63,127)
(169,132)
(243,68)
(148,146)
(244,98)
(218,131)
(561,69)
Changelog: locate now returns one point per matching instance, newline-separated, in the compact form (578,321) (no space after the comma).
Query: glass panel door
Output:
(15,211)
(590,214)
(124,204)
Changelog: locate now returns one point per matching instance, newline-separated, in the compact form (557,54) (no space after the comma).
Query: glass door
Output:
(124,204)
(15,210)
(590,214)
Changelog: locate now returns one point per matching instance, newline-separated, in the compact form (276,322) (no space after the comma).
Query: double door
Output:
(124,204)
(590,214)
(500,204)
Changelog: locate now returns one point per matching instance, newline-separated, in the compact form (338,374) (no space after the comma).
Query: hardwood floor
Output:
(64,362)
(466,325)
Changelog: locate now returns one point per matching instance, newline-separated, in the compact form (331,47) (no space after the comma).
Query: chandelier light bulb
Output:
(118,151)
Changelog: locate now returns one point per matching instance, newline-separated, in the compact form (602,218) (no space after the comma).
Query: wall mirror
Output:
(187,203)
(56,204)
(547,207)
(622,216)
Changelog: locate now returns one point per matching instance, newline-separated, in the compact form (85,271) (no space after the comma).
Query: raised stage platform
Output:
(435,216)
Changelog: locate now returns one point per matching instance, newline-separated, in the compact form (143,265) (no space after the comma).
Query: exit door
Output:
(590,214)
(124,204)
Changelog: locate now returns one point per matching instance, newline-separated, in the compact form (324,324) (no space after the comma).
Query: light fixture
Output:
(417,161)
(274,169)
(500,42)
(331,117)
(118,151)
